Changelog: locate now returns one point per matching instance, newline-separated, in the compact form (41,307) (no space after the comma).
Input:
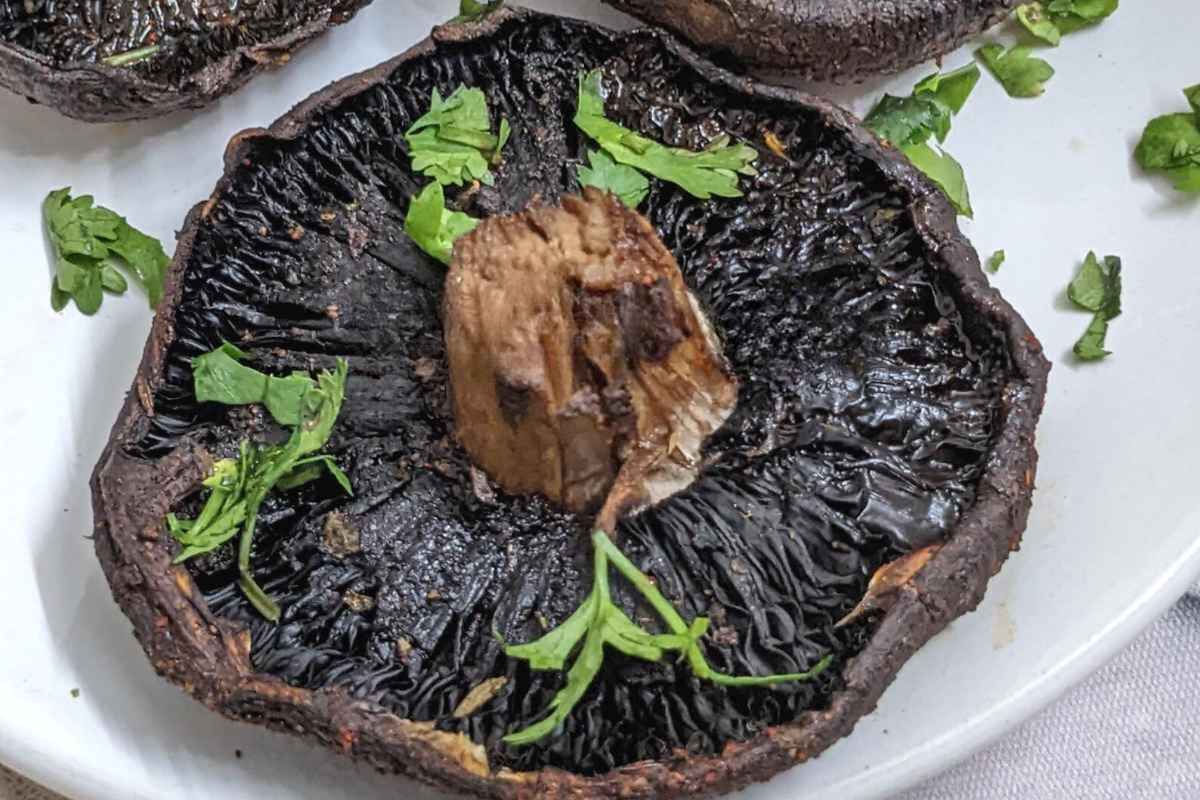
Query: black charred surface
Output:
(868,405)
(191,33)
(53,51)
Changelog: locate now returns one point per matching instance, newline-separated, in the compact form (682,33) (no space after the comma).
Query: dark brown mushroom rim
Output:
(54,51)
(823,40)
(887,404)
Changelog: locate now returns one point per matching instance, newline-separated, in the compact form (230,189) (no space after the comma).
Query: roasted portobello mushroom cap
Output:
(823,40)
(114,60)
(886,407)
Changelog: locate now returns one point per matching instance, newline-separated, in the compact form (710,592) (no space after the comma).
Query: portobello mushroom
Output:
(114,60)
(823,40)
(883,427)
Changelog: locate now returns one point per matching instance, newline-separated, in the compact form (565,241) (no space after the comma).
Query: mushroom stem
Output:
(581,368)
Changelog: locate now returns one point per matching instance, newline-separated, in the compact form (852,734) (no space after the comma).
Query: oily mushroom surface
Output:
(887,402)
(54,51)
(822,40)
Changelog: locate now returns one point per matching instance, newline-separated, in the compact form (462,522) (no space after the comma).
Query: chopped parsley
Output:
(599,622)
(238,486)
(220,377)
(94,250)
(622,180)
(995,261)
(473,10)
(453,143)
(1049,21)
(432,226)
(1170,144)
(908,123)
(1021,73)
(711,171)
(1097,288)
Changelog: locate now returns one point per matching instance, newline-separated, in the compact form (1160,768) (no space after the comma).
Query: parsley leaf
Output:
(927,112)
(432,227)
(909,122)
(623,181)
(474,10)
(220,377)
(1097,288)
(712,171)
(1021,73)
(1033,18)
(995,261)
(599,621)
(949,89)
(1050,21)
(945,171)
(92,245)
(453,143)
(237,487)
(1171,144)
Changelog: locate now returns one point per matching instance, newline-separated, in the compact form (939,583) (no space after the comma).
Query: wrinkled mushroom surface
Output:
(54,51)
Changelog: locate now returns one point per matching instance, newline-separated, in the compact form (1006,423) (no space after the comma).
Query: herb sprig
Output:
(131,57)
(599,621)
(1170,144)
(239,486)
(94,250)
(711,171)
(908,123)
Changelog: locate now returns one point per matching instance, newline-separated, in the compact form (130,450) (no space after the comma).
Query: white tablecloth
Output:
(1130,732)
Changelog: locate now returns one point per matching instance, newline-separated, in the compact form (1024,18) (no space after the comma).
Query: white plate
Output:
(1111,542)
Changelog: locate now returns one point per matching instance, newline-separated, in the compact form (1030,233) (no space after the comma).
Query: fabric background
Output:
(1130,732)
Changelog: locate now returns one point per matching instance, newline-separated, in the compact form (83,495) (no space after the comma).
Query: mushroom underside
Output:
(874,387)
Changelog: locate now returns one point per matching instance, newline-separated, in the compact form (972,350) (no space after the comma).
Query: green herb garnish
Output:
(92,247)
(473,10)
(131,57)
(432,226)
(1050,21)
(927,112)
(239,486)
(220,377)
(908,123)
(1097,288)
(599,622)
(1021,73)
(453,143)
(1170,144)
(945,171)
(622,180)
(995,261)
(711,171)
